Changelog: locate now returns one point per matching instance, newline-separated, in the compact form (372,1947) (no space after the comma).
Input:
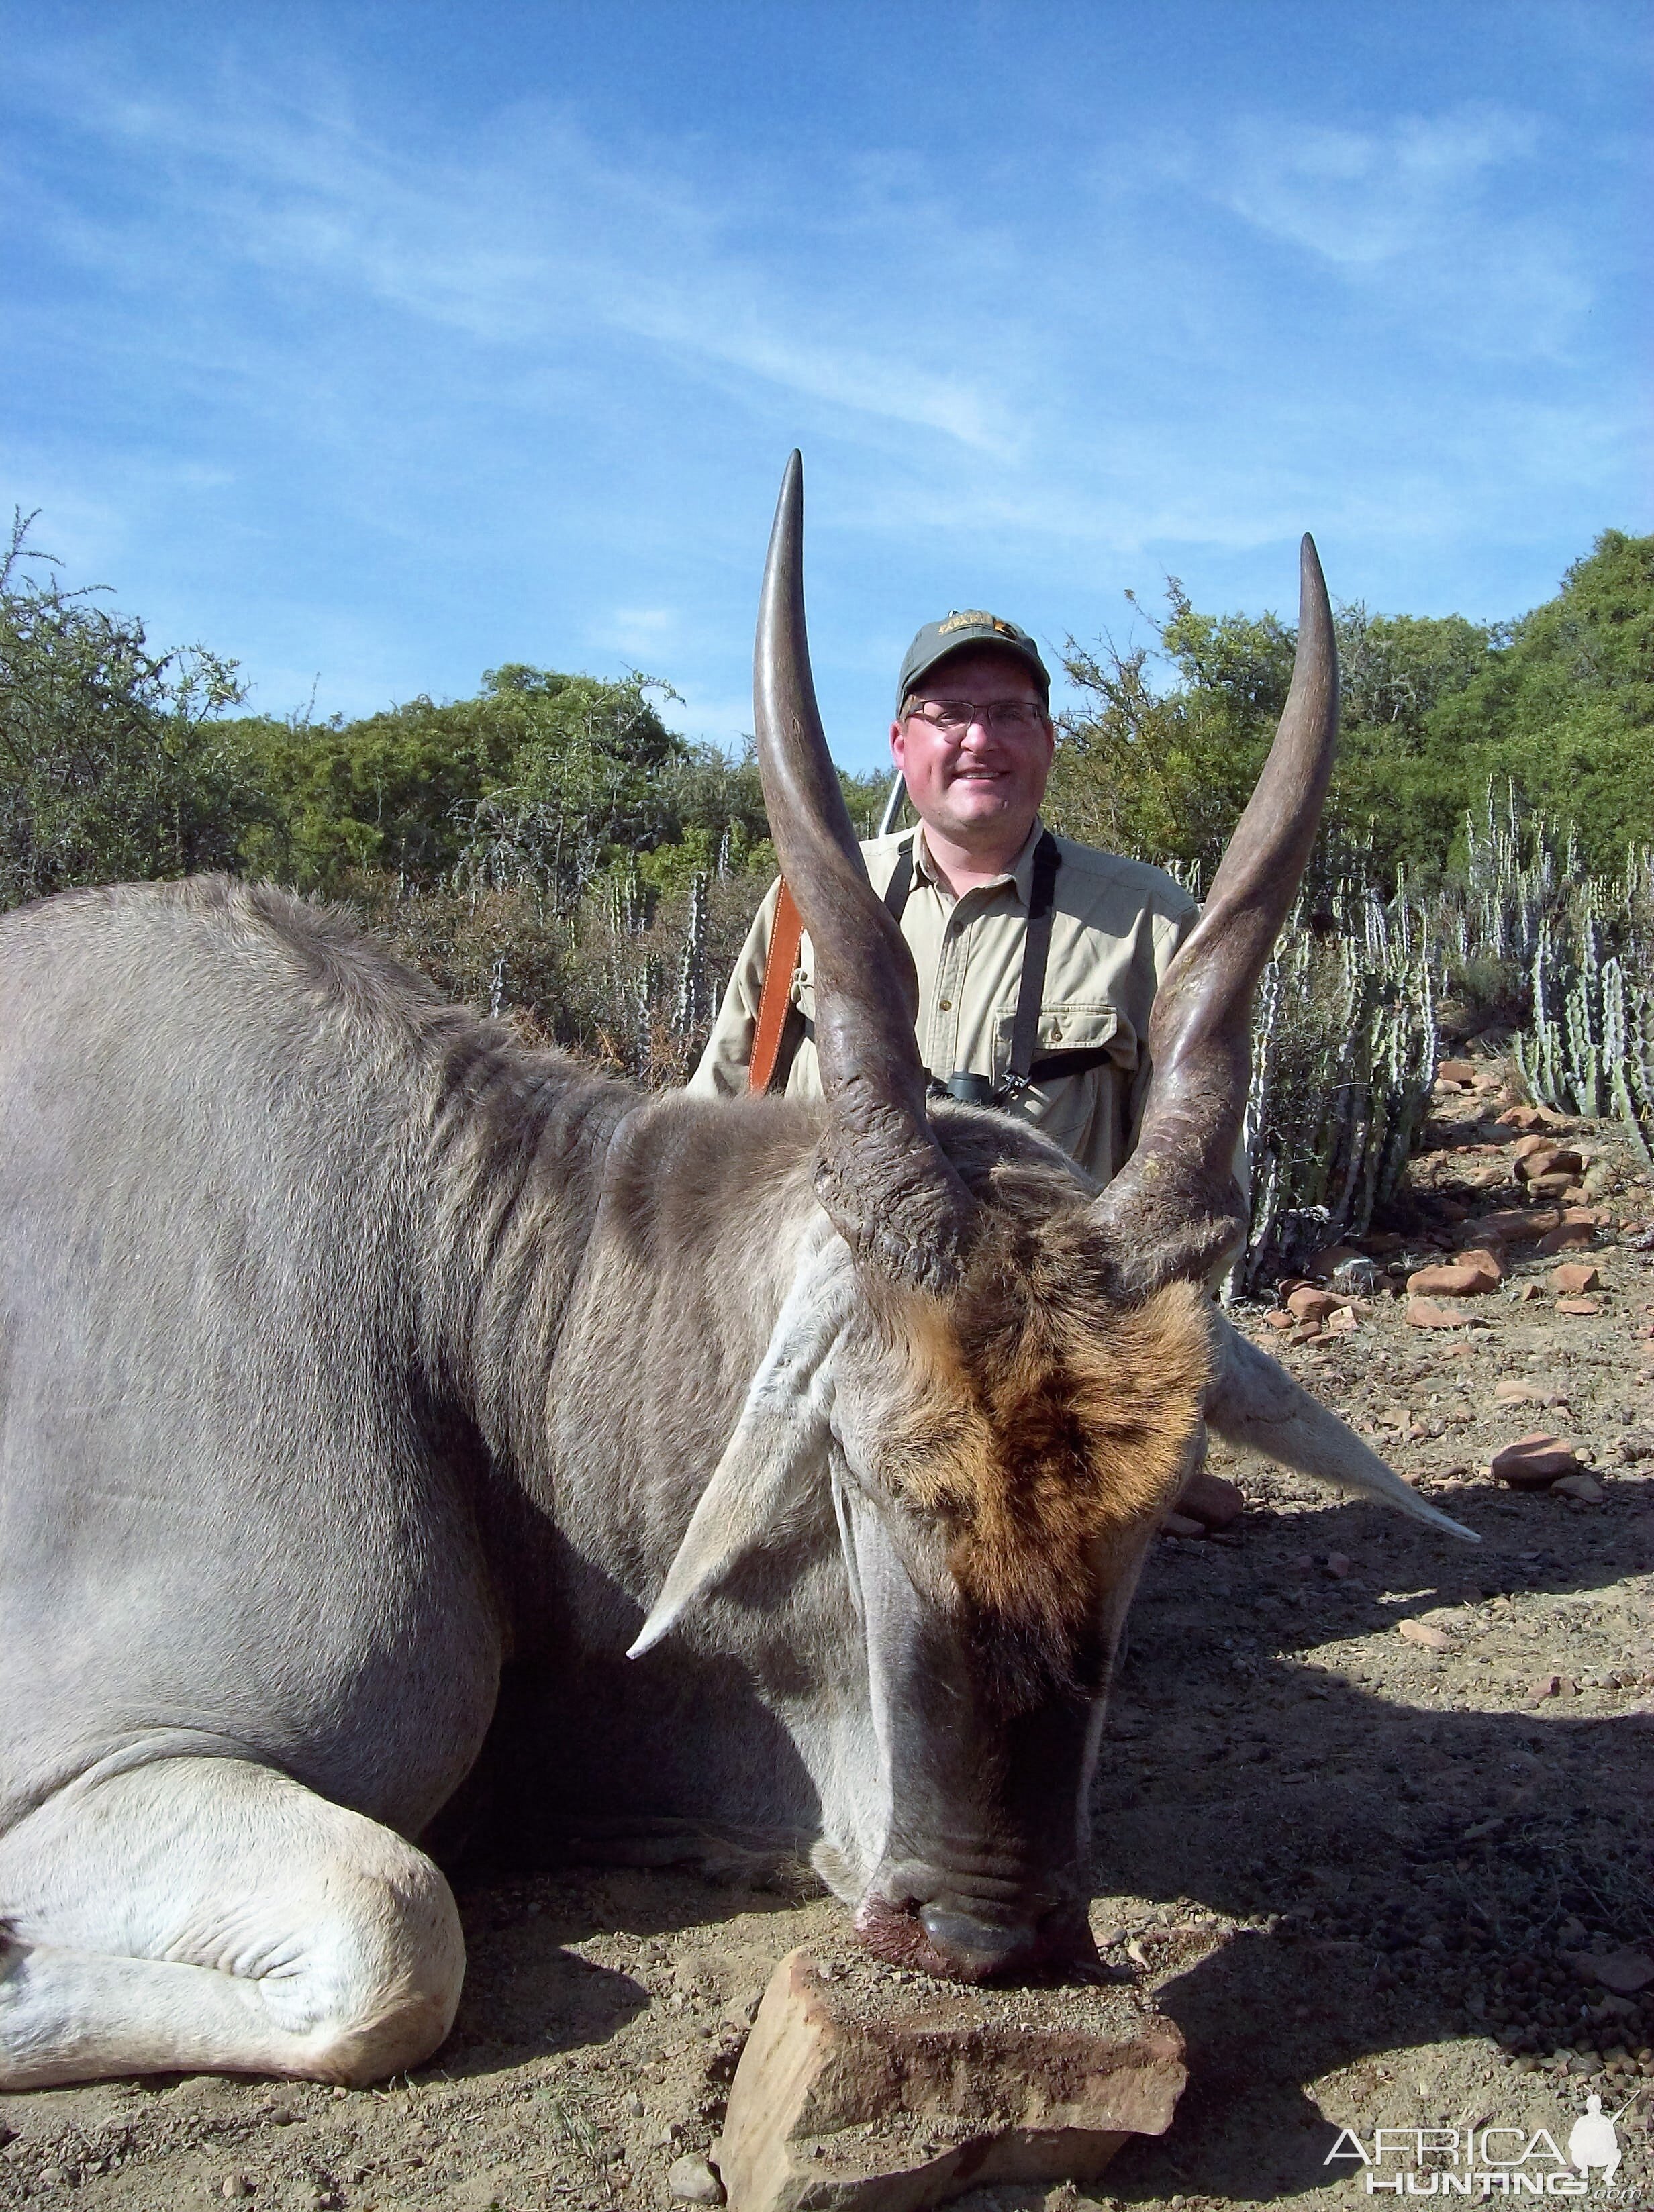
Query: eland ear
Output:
(777,1446)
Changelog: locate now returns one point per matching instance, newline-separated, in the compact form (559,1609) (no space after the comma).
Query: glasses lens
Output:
(956,716)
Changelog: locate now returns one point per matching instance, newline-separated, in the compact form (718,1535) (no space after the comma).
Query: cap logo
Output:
(974,618)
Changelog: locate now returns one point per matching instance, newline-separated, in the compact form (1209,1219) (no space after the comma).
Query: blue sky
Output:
(377,344)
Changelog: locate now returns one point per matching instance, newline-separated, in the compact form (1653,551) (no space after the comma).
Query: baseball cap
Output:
(972,627)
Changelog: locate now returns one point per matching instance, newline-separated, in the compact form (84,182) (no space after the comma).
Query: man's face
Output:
(983,782)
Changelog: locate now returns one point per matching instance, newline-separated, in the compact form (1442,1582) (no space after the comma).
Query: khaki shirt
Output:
(1116,926)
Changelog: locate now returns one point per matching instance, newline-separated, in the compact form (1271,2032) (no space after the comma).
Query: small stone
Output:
(1342,1323)
(1181,1524)
(1519,1227)
(1424,1313)
(1521,1117)
(236,2185)
(1456,1280)
(1585,1487)
(1307,1303)
(1278,1317)
(1583,1308)
(1509,1390)
(1575,1277)
(1484,1257)
(1546,1686)
(1338,1566)
(1456,1070)
(690,2180)
(1534,1462)
(1525,1147)
(1428,1638)
(1212,1499)
(1525,1293)
(1566,1237)
(1556,1164)
(1624,1971)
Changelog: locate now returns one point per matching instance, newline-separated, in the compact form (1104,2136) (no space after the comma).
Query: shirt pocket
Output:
(1094,1034)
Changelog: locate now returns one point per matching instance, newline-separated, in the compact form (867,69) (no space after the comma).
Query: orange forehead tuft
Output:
(1035,1435)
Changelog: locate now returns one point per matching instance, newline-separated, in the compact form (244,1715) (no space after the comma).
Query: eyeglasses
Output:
(953,717)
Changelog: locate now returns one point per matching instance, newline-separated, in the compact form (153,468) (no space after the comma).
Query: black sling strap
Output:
(1036,955)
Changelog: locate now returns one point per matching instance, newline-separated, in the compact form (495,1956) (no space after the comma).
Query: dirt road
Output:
(1356,1868)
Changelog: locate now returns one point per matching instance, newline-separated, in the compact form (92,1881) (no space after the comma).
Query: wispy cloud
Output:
(347,386)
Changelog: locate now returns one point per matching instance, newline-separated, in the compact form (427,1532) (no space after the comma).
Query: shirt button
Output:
(944,1004)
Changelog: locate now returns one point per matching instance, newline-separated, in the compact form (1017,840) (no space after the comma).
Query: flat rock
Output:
(1534,1462)
(1181,1524)
(1460,1278)
(1427,1638)
(1213,1500)
(1585,1487)
(1550,1160)
(1623,1971)
(1307,1303)
(1567,1236)
(1575,1276)
(1518,1225)
(1508,1391)
(1424,1313)
(864,2089)
(1585,1309)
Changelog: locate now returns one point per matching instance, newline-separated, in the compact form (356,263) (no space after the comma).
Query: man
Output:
(1051,1027)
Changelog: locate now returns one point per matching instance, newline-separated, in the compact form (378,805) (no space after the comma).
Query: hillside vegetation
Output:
(551,847)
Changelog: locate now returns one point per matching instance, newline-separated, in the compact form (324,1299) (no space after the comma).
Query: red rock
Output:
(1482,1256)
(1575,1278)
(1567,1236)
(1623,1971)
(1427,1638)
(1526,1291)
(1538,1166)
(1518,1227)
(1342,1323)
(1525,1147)
(1278,1317)
(1306,1332)
(1459,1280)
(1582,1308)
(1456,1070)
(1546,1686)
(1534,1462)
(1520,1117)
(841,2110)
(1309,1304)
(1584,1487)
(1508,1391)
(1561,1185)
(1211,1499)
(1423,1313)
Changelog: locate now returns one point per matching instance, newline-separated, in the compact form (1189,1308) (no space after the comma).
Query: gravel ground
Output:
(1355,1868)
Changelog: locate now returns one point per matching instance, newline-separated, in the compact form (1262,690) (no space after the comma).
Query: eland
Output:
(371,1387)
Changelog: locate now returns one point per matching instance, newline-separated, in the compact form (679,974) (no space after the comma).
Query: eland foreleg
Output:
(210,1914)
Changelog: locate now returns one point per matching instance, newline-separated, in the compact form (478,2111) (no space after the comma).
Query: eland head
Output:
(1000,1374)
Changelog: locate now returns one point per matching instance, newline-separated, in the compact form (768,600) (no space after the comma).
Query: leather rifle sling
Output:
(786,934)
